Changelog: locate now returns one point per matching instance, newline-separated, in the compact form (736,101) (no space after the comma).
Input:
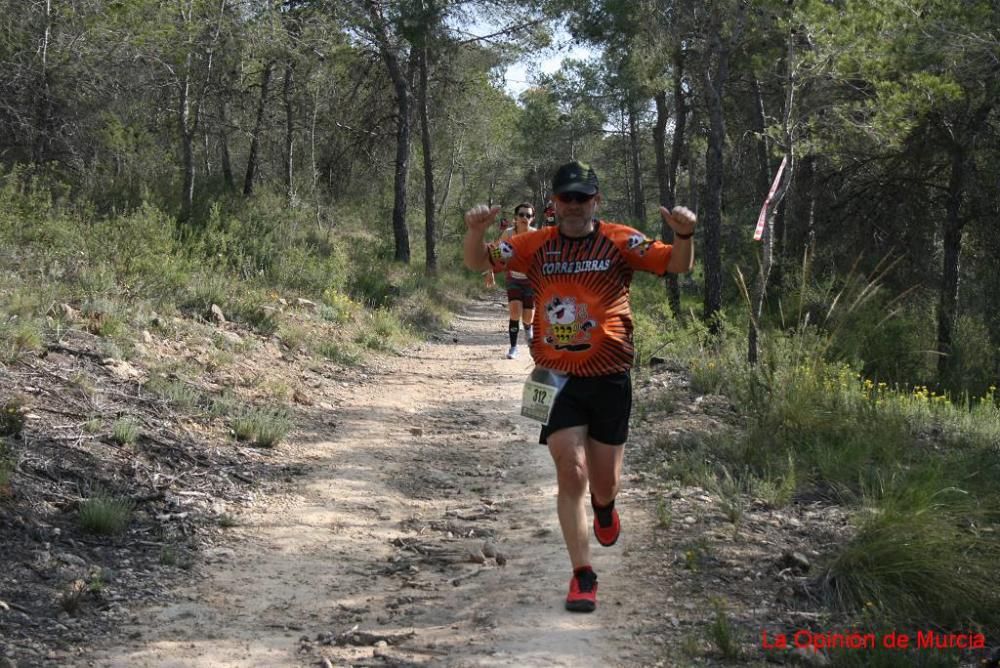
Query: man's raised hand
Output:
(480,217)
(681,220)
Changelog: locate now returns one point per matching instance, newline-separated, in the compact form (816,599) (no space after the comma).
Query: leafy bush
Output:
(975,360)
(142,250)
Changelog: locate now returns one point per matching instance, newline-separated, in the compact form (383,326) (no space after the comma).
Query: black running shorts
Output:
(519,290)
(603,403)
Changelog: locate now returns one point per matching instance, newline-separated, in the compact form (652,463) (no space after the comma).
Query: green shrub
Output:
(294,336)
(27,302)
(225,404)
(6,470)
(203,292)
(918,555)
(974,358)
(338,307)
(895,352)
(105,515)
(337,351)
(305,269)
(141,249)
(106,318)
(382,331)
(252,310)
(373,279)
(424,313)
(262,427)
(722,634)
(12,418)
(20,337)
(124,431)
(177,393)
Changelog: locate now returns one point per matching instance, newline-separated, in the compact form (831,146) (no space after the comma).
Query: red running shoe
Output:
(608,536)
(582,595)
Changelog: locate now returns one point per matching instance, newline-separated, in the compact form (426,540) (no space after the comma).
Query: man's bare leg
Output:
(568,448)
(604,466)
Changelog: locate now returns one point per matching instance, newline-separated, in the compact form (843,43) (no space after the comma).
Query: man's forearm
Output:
(474,251)
(681,257)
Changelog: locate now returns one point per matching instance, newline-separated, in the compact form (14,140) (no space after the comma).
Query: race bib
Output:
(540,391)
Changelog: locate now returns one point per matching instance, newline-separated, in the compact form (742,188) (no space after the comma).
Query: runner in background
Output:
(549,214)
(520,296)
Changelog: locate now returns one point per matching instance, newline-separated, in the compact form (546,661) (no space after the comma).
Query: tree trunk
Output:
(43,107)
(187,142)
(677,145)
(763,185)
(206,150)
(638,196)
(425,139)
(289,131)
(666,193)
(390,55)
(714,87)
(399,229)
(623,147)
(227,165)
(802,233)
(660,151)
(258,128)
(778,266)
(948,302)
(456,151)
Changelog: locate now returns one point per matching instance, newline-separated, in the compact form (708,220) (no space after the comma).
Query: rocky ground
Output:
(408,520)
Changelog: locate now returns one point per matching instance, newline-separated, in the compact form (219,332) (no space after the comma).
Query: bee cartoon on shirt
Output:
(569,327)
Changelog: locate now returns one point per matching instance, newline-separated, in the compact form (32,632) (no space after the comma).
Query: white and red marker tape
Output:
(762,218)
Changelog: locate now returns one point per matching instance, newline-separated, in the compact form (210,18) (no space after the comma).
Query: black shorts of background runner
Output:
(519,289)
(603,403)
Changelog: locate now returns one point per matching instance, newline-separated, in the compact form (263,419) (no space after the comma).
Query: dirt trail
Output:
(428,460)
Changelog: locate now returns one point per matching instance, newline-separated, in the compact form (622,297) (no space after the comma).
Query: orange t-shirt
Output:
(583,322)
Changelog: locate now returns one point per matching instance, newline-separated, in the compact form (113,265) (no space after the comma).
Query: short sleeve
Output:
(642,253)
(513,253)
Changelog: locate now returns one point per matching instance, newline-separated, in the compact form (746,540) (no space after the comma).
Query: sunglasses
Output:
(578,198)
(522,214)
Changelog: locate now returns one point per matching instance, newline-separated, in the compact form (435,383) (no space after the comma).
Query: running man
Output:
(520,298)
(580,271)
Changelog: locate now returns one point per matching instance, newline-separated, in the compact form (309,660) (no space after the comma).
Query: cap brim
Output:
(585,188)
